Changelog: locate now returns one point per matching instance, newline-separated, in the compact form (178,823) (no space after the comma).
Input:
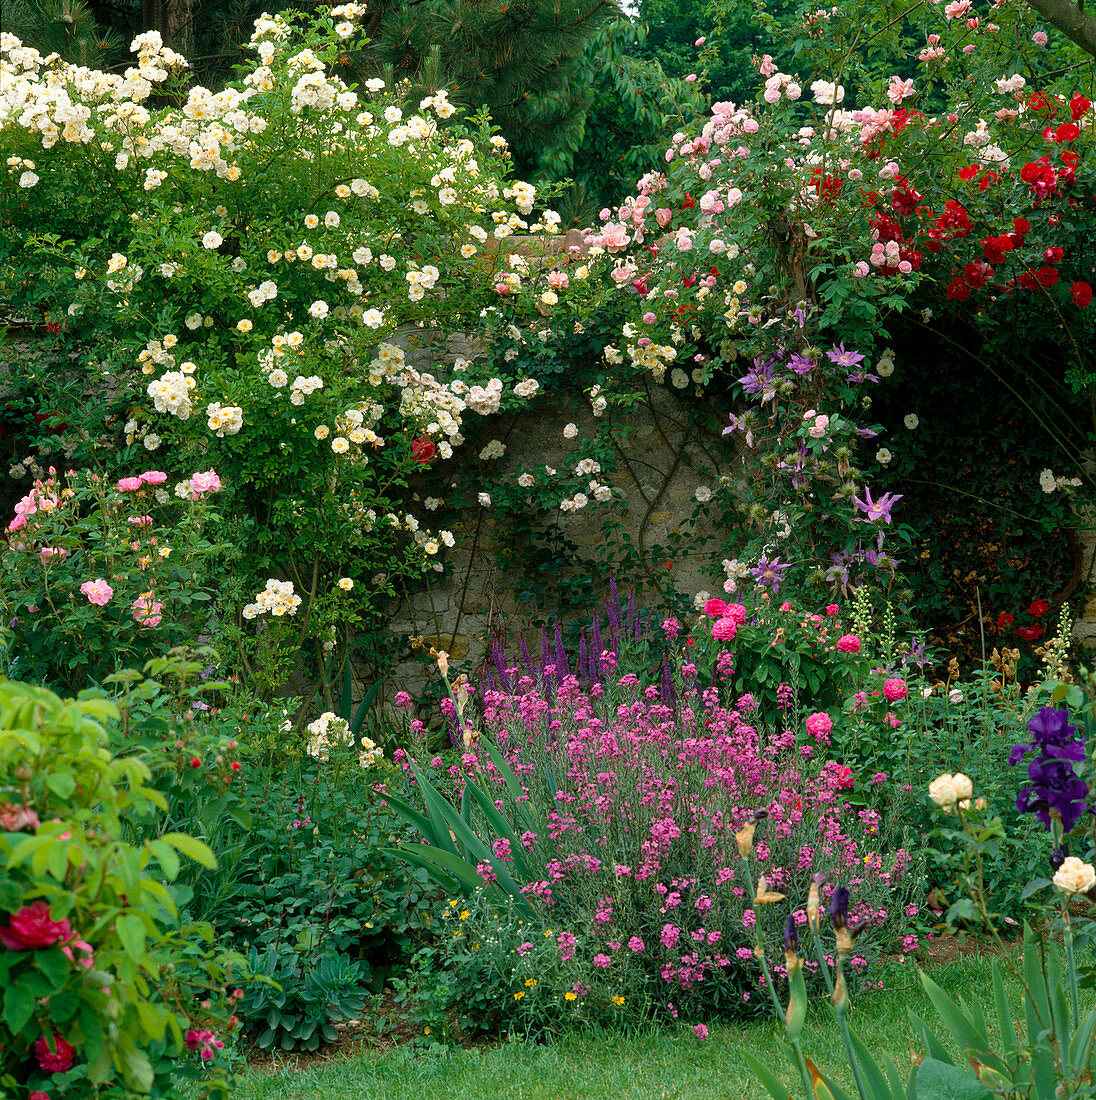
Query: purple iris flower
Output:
(1055,787)
(877,510)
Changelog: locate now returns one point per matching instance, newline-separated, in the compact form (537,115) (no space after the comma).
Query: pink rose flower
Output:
(848,643)
(130,484)
(715,608)
(154,477)
(147,611)
(48,553)
(894,690)
(819,726)
(735,612)
(32,929)
(724,629)
(843,777)
(97,591)
(207,482)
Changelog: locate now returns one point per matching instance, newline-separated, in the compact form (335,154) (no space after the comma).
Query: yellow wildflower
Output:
(570,995)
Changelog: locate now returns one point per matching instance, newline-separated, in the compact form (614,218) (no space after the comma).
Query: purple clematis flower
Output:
(876,510)
(837,354)
(770,572)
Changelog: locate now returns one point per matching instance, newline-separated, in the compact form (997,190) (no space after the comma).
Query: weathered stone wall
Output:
(662,459)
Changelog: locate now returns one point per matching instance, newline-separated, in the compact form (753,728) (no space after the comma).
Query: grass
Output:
(658,1063)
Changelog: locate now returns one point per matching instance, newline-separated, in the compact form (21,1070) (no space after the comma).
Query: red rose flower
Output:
(423,450)
(1068,131)
(1078,105)
(1081,294)
(1005,620)
(1029,633)
(31,929)
(38,1094)
(55,1057)
(1038,608)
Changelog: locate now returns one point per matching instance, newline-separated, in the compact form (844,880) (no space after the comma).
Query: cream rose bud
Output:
(942,791)
(1075,876)
(963,786)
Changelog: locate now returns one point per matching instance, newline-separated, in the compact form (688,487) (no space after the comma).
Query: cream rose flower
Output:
(1075,876)
(942,791)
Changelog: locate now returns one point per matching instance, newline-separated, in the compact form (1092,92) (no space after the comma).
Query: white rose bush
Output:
(261,280)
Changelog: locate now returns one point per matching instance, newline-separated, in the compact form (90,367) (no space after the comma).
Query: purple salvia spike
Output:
(583,657)
(563,668)
(595,641)
(668,695)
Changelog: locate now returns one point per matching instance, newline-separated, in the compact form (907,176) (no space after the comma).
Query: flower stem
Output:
(1068,939)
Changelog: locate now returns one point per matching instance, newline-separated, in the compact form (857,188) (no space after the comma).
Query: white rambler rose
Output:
(526,481)
(319,309)
(212,240)
(703,494)
(1075,876)
(484,499)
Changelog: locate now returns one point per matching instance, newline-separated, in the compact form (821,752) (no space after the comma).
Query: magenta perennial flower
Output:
(638,877)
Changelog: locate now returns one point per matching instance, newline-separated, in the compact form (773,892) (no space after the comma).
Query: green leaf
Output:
(412,817)
(169,861)
(54,966)
(766,1077)
(18,1006)
(192,848)
(955,1019)
(131,931)
(940,1081)
(61,784)
(358,720)
(877,1084)
(137,1069)
(797,1005)
(1004,1012)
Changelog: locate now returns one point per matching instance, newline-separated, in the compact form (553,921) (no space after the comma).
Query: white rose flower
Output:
(212,240)
(911,421)
(319,309)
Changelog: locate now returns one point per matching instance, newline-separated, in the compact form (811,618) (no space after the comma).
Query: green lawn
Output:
(658,1063)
